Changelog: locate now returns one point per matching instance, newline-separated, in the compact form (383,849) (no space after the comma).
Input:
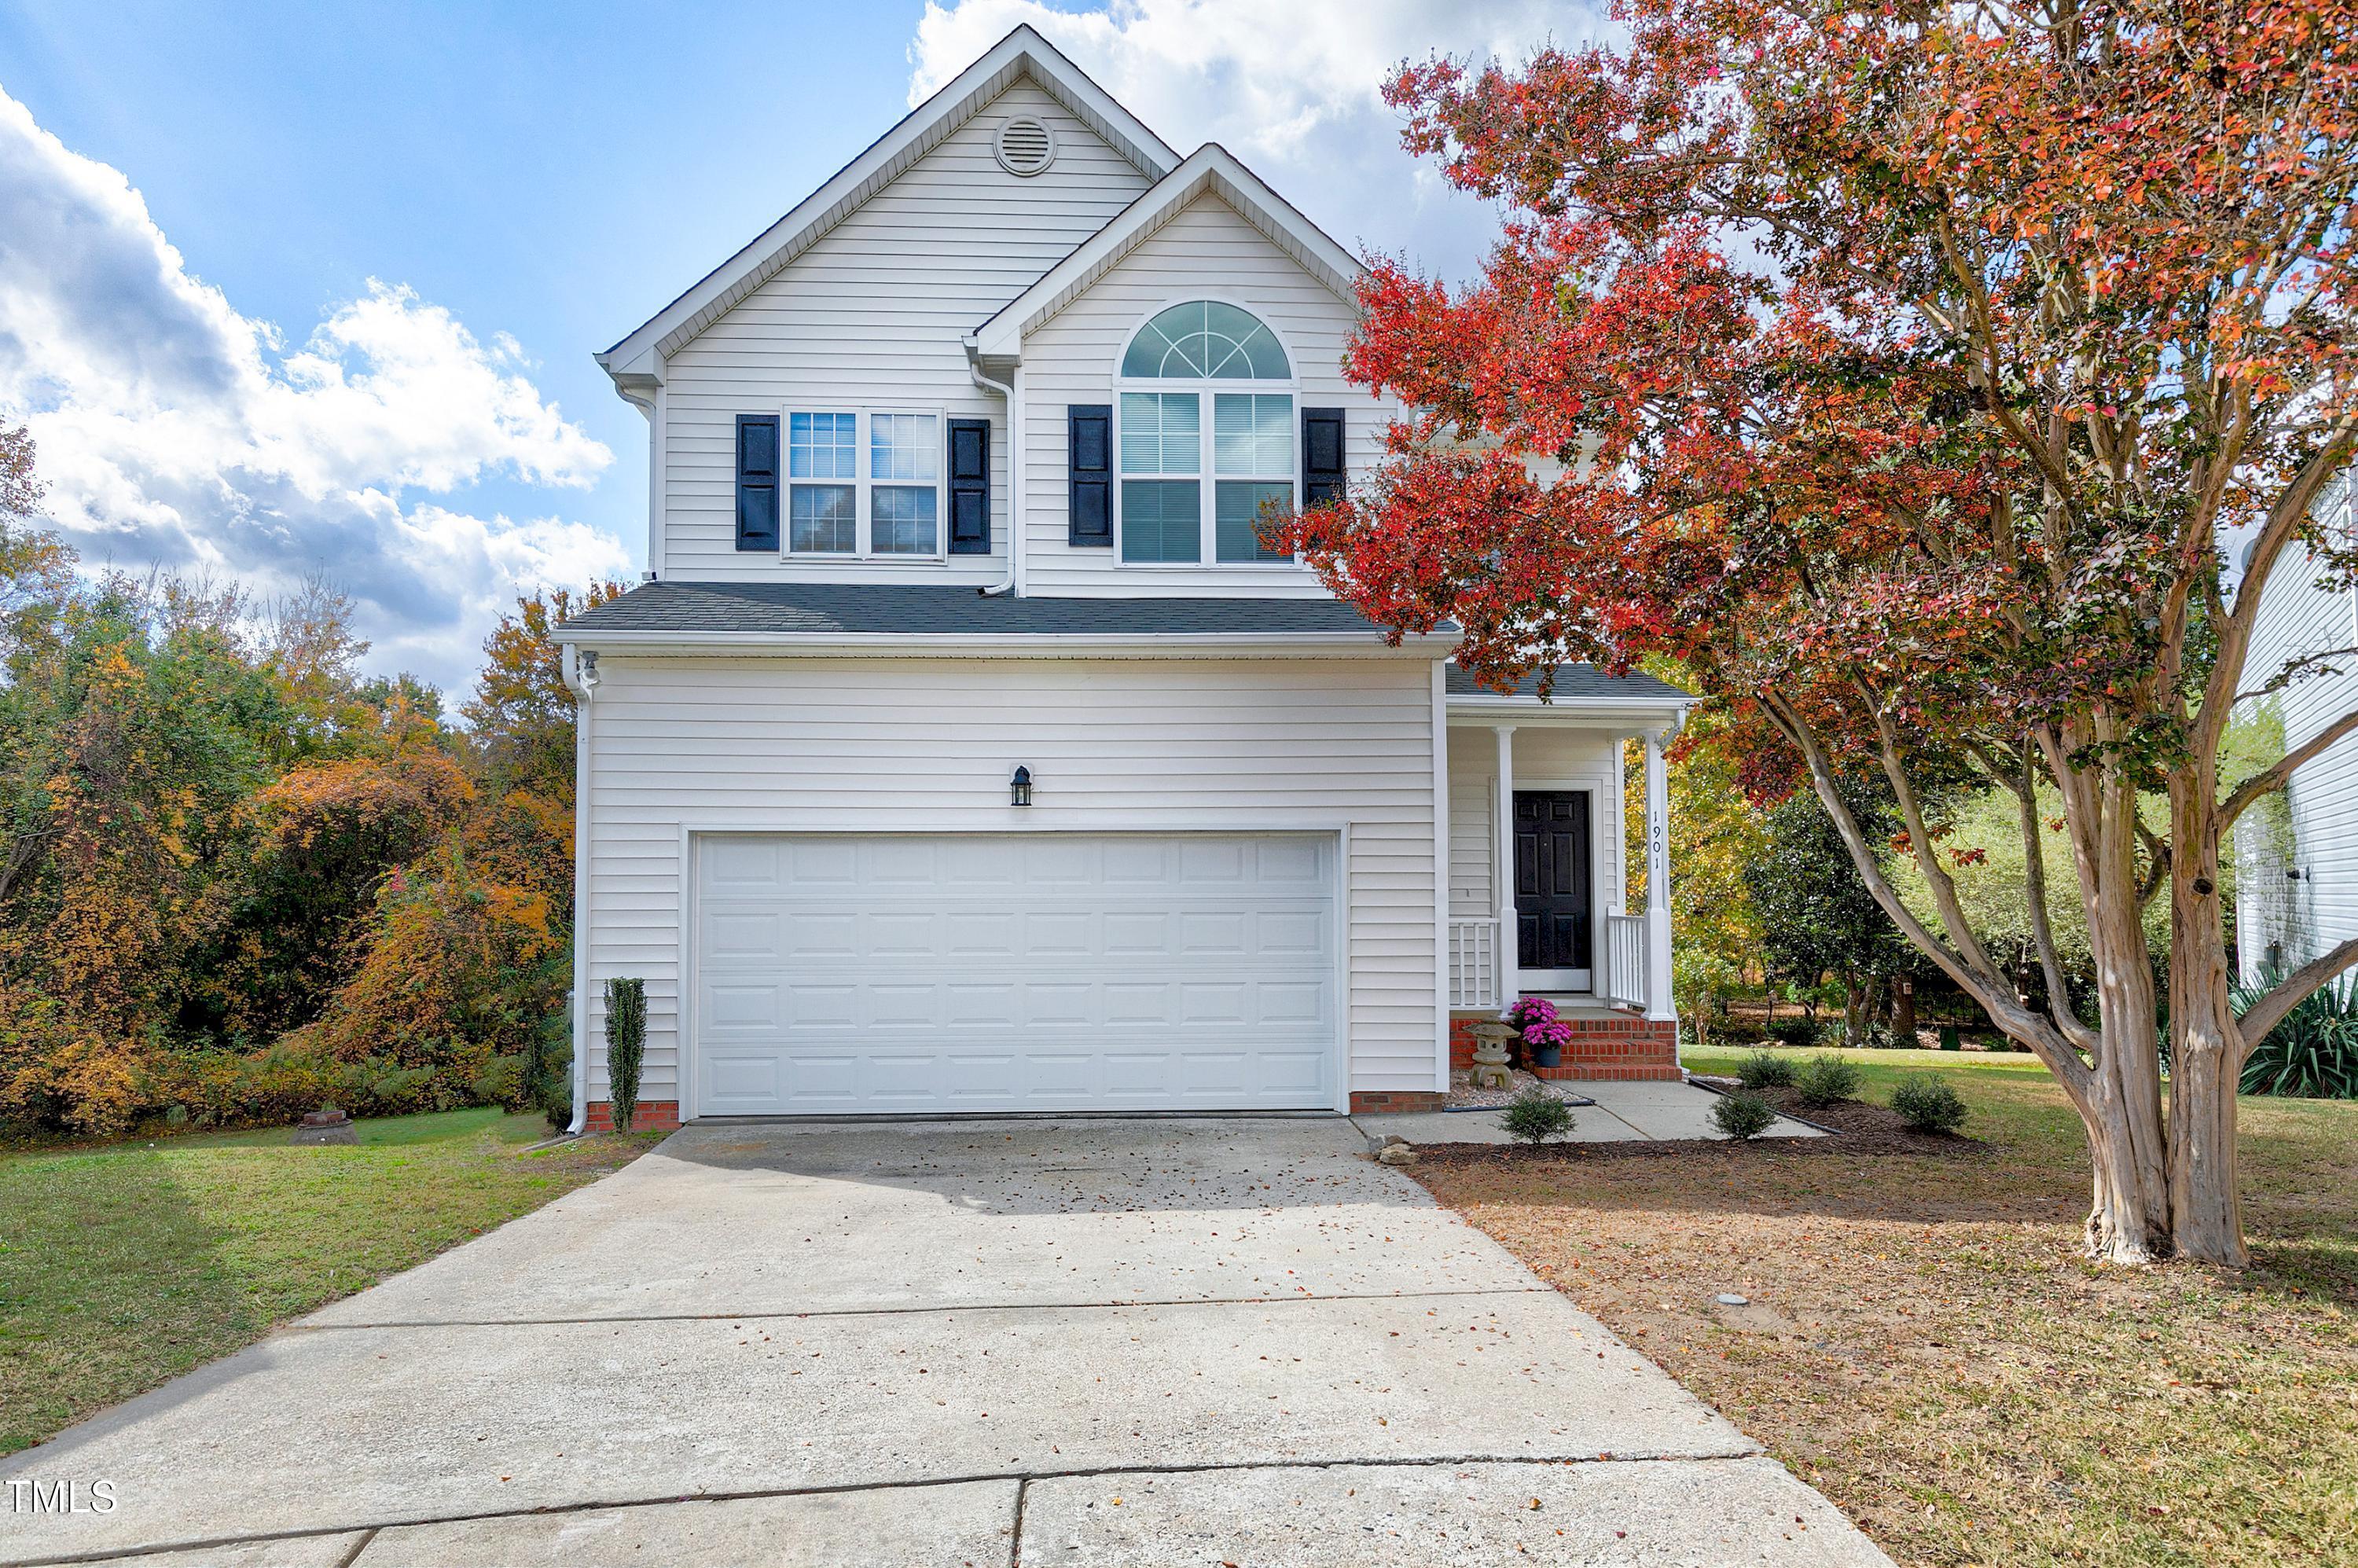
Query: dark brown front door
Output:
(1552,879)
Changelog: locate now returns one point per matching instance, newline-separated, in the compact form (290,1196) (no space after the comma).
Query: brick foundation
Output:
(1369,1101)
(1616,1047)
(653,1116)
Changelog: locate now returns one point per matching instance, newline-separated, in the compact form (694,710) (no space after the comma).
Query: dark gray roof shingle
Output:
(920,608)
(1573,683)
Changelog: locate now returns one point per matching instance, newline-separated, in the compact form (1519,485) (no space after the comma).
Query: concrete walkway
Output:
(1086,1342)
(1621,1113)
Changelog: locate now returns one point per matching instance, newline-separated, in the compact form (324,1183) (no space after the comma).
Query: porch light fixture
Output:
(1018,787)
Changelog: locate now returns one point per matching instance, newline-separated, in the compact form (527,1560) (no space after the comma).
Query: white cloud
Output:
(1293,90)
(173,431)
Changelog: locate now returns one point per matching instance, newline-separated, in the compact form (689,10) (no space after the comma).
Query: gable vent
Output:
(1025,146)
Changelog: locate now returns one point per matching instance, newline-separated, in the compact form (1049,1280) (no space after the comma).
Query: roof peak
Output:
(1022,52)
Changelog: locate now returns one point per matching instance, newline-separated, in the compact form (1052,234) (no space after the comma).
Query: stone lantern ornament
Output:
(1490,1066)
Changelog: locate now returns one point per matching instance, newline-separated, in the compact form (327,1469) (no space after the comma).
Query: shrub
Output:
(626,1044)
(2312,1052)
(1928,1104)
(547,1080)
(1793,1031)
(1743,1116)
(1535,1116)
(1824,1079)
(1765,1070)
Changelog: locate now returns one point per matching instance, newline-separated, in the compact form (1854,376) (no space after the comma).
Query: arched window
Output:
(1206,339)
(1168,515)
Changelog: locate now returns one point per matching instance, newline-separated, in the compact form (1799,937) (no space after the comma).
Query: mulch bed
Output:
(1858,1127)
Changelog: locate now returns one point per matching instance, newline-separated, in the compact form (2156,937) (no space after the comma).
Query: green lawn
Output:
(1925,1345)
(124,1265)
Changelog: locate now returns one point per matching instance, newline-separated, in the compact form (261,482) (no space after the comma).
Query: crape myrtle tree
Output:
(1900,369)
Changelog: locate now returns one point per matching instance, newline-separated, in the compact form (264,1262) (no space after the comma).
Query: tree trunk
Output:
(1903,1013)
(2206,1045)
(2129,1220)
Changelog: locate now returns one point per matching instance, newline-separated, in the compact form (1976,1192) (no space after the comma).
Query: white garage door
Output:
(1036,972)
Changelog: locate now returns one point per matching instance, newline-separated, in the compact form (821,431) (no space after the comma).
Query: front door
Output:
(1553,924)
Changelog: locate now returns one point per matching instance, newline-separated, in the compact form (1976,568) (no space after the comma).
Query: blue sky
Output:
(395,233)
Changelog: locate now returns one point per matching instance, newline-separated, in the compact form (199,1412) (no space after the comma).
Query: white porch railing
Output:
(1473,963)
(1625,960)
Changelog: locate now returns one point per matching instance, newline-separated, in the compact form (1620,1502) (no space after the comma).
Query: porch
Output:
(1539,901)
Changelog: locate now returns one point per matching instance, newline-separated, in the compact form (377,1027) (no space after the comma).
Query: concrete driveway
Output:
(1084,1342)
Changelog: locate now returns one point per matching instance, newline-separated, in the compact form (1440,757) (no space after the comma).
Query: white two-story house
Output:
(966,749)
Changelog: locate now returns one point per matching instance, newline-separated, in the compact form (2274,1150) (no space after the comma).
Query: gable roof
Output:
(1209,170)
(1022,53)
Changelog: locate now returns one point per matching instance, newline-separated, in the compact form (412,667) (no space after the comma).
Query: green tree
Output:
(1817,917)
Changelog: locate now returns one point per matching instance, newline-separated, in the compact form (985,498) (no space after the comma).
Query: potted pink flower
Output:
(1545,1035)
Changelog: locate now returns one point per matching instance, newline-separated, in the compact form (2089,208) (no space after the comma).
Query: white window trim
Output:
(1208,548)
(864,483)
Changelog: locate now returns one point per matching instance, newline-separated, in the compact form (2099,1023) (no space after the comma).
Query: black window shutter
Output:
(757,481)
(1322,456)
(970,487)
(1088,433)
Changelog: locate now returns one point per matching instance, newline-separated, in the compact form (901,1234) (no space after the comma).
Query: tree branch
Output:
(2042,930)
(2279,772)
(1990,988)
(2292,507)
(2290,992)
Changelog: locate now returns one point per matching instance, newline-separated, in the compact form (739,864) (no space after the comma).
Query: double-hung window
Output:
(863,484)
(1197,480)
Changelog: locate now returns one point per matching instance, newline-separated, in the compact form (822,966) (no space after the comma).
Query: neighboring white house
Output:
(965,750)
(2296,854)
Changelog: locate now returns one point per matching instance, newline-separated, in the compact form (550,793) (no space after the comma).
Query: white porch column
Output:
(1658,880)
(1502,880)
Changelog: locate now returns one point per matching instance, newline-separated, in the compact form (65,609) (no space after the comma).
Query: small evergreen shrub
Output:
(1793,1031)
(626,1044)
(1535,1116)
(1825,1079)
(1743,1116)
(1765,1070)
(1928,1104)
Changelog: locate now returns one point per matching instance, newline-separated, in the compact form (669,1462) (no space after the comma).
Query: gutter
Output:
(1014,398)
(580,671)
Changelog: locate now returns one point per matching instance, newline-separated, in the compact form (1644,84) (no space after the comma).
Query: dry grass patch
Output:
(1924,1345)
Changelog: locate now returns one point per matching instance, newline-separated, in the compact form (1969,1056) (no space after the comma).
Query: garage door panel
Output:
(1056,935)
(1299,863)
(1050,1004)
(739,863)
(1045,972)
(822,862)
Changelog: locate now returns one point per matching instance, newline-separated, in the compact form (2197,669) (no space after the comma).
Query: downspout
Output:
(1014,471)
(580,671)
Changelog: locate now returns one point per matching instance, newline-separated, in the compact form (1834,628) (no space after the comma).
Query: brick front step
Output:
(653,1116)
(1371,1101)
(1603,1050)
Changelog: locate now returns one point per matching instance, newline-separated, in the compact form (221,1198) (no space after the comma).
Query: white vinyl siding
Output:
(2311,914)
(871,317)
(1303,745)
(1206,250)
